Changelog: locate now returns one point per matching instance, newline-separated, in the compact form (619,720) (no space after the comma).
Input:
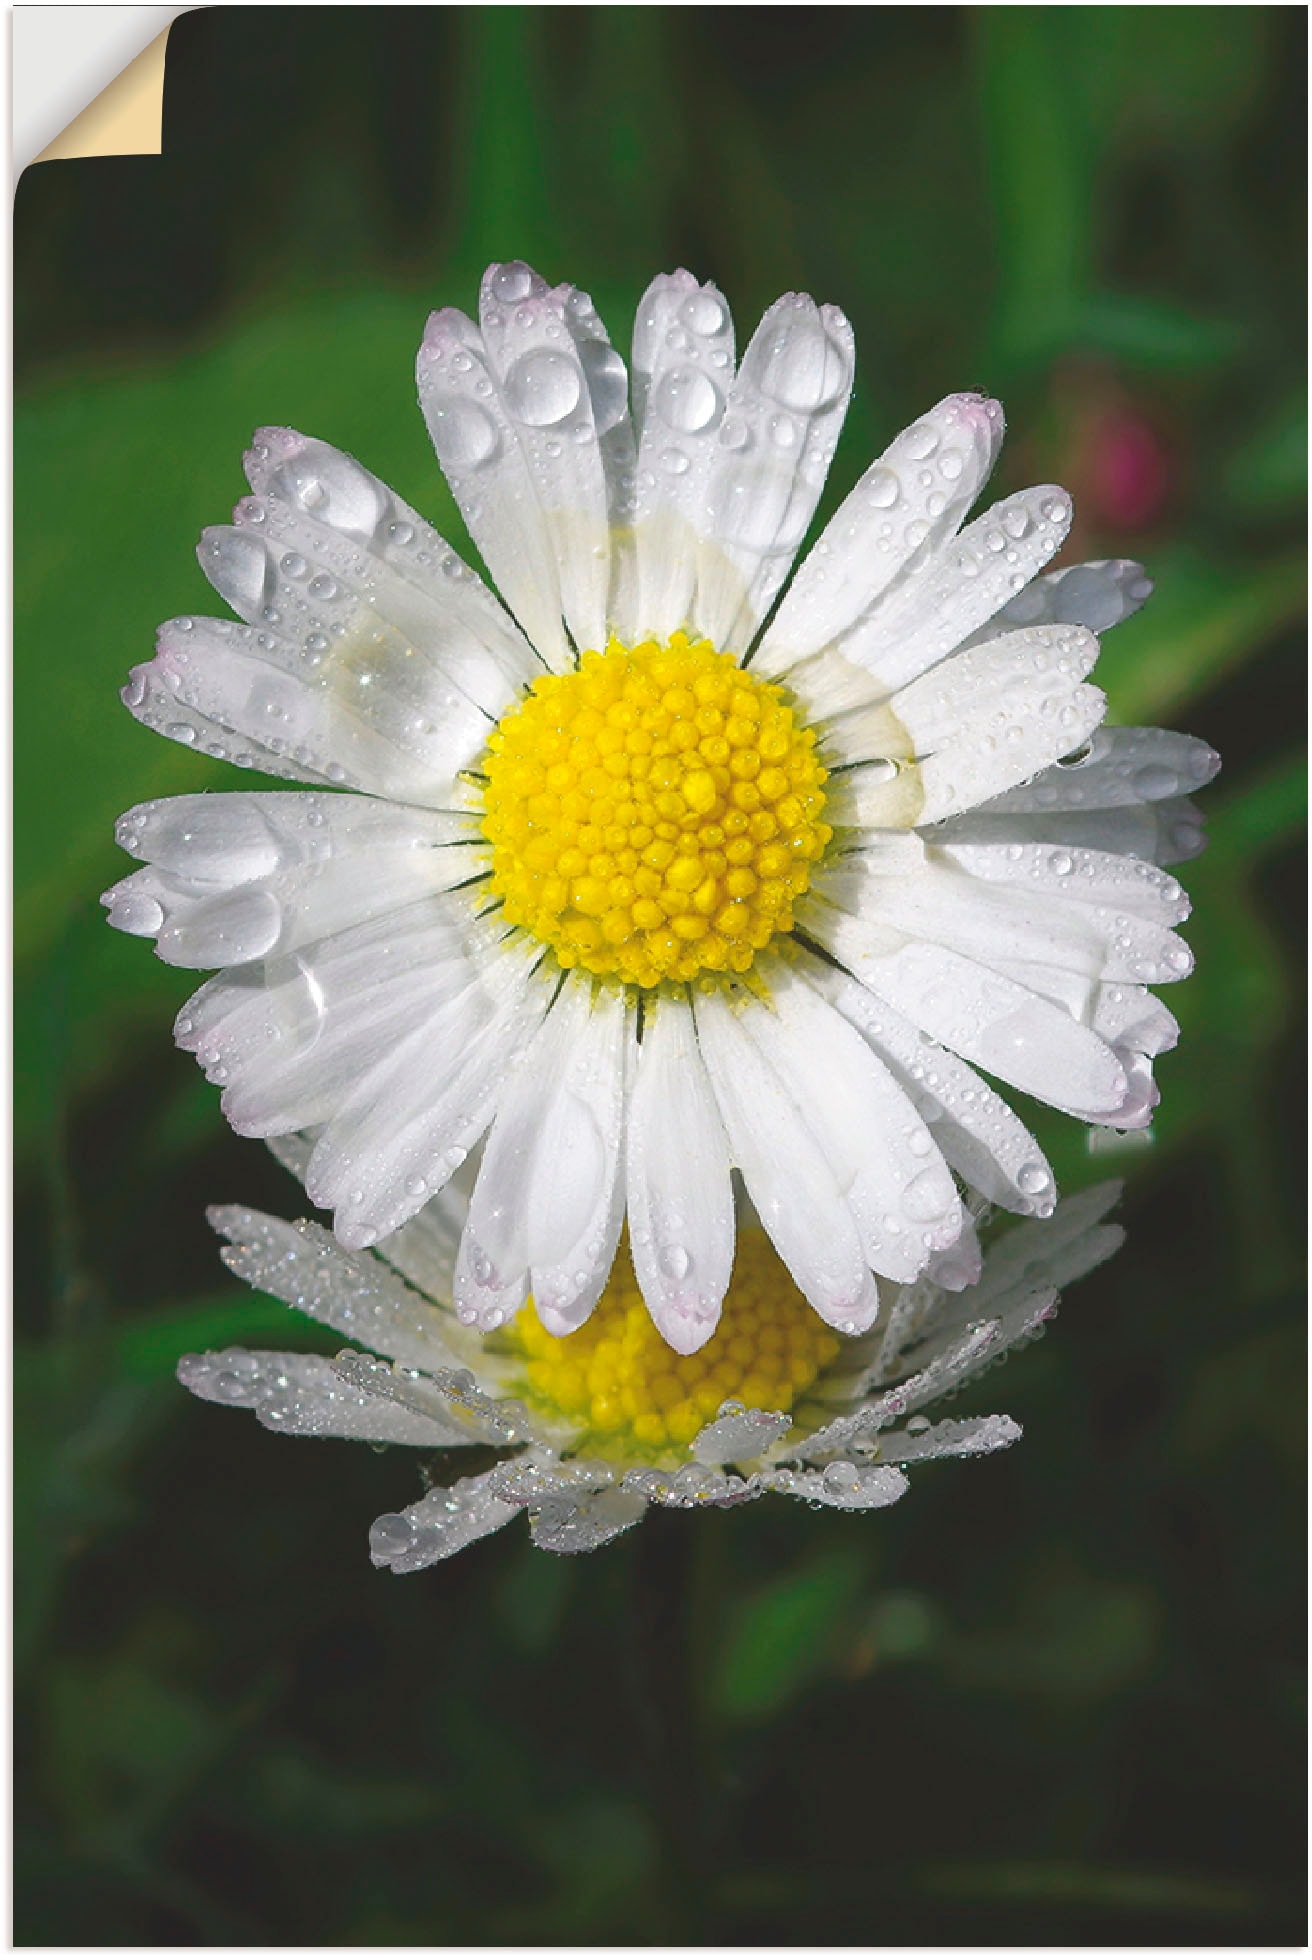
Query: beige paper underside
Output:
(126,119)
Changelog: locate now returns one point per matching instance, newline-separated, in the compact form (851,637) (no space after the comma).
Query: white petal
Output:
(693,1486)
(897,1187)
(151,696)
(680,1199)
(775,443)
(424,1250)
(976,1436)
(544,1211)
(962,585)
(1132,1018)
(364,718)
(1159,833)
(970,1347)
(1132,1022)
(290,1042)
(406,1125)
(843,1486)
(544,393)
(303,1265)
(741,1437)
(958,1265)
(988,718)
(323,546)
(577,1199)
(979,1013)
(1119,766)
(682,371)
(236,838)
(478,446)
(978,693)
(247,877)
(800,1200)
(1098,880)
(903,510)
(1098,595)
(1017,1292)
(303,1395)
(983,1140)
(1050,1253)
(443,1522)
(999,923)
(564,1524)
(608,389)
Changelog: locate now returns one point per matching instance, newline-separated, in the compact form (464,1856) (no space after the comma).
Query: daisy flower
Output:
(653,870)
(584,1432)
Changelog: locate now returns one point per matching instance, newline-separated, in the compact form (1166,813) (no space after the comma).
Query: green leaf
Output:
(783,1636)
(149,1348)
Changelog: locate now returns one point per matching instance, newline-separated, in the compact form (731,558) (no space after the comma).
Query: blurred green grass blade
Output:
(1267,475)
(1039,167)
(783,1635)
(150,1347)
(1204,622)
(1114,1888)
(1152,333)
(507,196)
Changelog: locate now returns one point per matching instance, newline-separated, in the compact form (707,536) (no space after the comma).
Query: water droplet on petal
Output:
(465,434)
(702,314)
(675,1261)
(543,388)
(686,399)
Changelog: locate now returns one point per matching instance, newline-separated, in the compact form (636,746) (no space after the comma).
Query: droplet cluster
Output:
(630,1393)
(655,814)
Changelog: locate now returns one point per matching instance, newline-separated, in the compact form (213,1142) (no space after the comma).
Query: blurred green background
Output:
(1052,1697)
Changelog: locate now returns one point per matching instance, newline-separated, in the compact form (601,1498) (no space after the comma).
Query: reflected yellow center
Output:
(619,1382)
(655,814)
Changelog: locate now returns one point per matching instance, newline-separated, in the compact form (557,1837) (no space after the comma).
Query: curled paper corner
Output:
(89,81)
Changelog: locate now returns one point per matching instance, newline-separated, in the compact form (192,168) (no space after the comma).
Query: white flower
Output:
(590,1429)
(645,878)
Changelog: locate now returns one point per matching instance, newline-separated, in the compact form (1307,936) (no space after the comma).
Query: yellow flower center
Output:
(655,814)
(630,1394)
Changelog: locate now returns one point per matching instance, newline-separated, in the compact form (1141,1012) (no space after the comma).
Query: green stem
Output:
(670,1714)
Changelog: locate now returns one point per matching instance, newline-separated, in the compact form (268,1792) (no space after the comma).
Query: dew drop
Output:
(928,1195)
(543,388)
(686,399)
(465,434)
(512,283)
(702,314)
(608,384)
(675,1261)
(1154,781)
(390,1535)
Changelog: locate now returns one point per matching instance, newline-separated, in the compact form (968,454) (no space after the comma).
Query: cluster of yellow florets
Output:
(618,1381)
(655,814)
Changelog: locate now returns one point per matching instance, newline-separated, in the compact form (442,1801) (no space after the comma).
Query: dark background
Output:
(1051,1697)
